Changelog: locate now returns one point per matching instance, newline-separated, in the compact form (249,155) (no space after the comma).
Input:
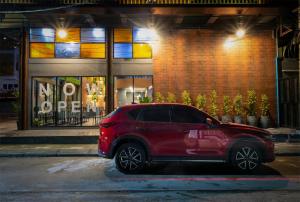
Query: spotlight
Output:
(240,33)
(229,42)
(62,33)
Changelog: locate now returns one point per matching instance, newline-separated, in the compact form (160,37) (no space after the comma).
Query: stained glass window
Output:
(122,50)
(71,35)
(142,50)
(42,50)
(41,35)
(67,50)
(92,35)
(92,50)
(142,35)
(122,35)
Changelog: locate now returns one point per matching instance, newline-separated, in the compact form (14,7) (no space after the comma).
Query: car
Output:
(140,134)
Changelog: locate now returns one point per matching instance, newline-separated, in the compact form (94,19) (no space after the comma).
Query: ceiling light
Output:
(240,33)
(62,33)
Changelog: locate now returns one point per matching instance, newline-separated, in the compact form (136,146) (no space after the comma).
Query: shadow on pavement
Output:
(204,169)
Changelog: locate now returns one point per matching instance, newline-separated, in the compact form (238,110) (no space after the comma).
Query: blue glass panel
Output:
(122,50)
(92,35)
(42,35)
(67,50)
(142,35)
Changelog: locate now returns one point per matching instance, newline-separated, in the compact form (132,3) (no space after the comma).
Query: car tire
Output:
(130,158)
(246,157)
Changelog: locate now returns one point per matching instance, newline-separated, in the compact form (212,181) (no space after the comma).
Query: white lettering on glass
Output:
(46,107)
(61,105)
(72,89)
(75,106)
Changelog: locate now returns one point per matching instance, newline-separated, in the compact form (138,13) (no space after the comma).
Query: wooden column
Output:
(109,78)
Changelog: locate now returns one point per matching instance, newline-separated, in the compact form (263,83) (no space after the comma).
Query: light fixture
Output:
(240,33)
(229,42)
(62,33)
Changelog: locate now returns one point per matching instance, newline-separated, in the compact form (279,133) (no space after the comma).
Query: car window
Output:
(134,113)
(181,114)
(156,114)
(113,113)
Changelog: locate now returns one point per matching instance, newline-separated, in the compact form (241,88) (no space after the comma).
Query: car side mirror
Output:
(209,121)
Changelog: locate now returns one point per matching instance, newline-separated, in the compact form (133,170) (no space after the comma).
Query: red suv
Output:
(140,134)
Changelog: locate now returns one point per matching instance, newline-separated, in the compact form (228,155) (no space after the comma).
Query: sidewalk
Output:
(67,150)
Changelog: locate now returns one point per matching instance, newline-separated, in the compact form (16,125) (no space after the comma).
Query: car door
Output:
(198,138)
(188,122)
(159,131)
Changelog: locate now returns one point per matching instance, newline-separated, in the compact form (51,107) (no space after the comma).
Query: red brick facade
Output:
(197,61)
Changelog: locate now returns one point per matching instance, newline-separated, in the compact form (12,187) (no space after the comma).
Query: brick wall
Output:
(196,60)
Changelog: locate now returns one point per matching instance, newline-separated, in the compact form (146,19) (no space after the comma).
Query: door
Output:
(159,131)
(197,137)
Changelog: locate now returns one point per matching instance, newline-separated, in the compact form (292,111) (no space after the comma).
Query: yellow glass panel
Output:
(142,51)
(92,50)
(68,35)
(122,35)
(42,50)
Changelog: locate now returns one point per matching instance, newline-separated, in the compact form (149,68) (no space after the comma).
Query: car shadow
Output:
(204,169)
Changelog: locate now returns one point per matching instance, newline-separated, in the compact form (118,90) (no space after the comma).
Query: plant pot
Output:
(264,121)
(251,120)
(226,118)
(238,119)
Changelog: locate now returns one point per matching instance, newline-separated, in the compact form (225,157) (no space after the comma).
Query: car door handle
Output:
(140,128)
(186,131)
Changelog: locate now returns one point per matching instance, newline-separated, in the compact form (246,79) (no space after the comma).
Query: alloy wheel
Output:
(130,158)
(247,158)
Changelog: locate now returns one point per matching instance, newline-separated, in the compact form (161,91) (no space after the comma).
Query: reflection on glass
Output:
(68,101)
(142,88)
(41,35)
(93,100)
(92,35)
(123,88)
(43,101)
(130,89)
(67,50)
(122,50)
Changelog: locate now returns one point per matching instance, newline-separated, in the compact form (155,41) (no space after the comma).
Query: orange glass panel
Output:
(122,35)
(68,35)
(92,50)
(42,50)
(142,50)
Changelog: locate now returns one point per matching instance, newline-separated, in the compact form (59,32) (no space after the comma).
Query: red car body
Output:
(176,140)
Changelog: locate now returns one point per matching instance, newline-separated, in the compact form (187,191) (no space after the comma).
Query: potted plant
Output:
(186,98)
(264,107)
(201,102)
(159,98)
(171,98)
(213,104)
(227,108)
(145,99)
(251,108)
(238,108)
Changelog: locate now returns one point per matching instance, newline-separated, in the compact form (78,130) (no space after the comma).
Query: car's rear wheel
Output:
(246,157)
(130,158)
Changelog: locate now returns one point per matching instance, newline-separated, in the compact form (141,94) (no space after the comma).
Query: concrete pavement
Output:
(52,150)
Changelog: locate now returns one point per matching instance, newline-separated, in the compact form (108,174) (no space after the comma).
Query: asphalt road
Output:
(92,179)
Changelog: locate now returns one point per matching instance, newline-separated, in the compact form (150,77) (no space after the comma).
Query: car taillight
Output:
(107,125)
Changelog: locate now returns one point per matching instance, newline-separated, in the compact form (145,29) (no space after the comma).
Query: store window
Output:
(67,43)
(67,101)
(131,89)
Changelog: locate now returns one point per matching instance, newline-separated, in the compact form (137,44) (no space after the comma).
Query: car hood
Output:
(243,127)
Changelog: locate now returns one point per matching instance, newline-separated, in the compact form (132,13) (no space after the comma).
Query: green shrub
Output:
(201,102)
(213,103)
(227,105)
(251,103)
(159,98)
(264,105)
(186,98)
(171,98)
(145,100)
(238,104)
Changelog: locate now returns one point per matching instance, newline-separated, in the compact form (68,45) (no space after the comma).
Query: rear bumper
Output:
(104,155)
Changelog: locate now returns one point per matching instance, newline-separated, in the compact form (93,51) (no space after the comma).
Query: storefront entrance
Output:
(67,101)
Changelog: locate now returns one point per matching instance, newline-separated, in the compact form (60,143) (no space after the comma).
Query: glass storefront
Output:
(67,101)
(131,89)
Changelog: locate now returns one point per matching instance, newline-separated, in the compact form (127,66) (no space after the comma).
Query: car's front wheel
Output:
(246,157)
(130,158)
